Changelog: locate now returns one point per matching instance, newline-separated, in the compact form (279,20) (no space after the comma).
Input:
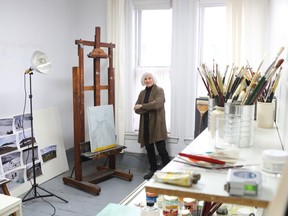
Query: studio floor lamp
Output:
(41,64)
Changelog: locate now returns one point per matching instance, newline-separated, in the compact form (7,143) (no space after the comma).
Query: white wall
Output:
(279,35)
(51,27)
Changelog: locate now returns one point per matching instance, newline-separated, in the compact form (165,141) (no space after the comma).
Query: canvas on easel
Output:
(101,127)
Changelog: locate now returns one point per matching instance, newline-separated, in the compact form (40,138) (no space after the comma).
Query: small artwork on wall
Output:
(6,126)
(11,161)
(22,122)
(48,153)
(25,138)
(27,155)
(38,170)
(7,144)
(16,177)
(16,149)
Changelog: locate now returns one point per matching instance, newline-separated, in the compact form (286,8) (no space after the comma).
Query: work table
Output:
(210,187)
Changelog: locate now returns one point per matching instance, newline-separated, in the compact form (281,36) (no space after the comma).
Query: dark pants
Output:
(161,148)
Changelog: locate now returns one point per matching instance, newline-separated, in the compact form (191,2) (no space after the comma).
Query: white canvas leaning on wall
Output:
(48,134)
(101,127)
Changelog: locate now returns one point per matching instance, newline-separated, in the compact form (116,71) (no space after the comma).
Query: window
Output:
(213,38)
(153,39)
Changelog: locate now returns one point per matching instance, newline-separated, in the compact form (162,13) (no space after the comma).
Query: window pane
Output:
(214,36)
(155,40)
(153,50)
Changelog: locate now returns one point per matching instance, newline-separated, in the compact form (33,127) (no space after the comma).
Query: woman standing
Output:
(152,126)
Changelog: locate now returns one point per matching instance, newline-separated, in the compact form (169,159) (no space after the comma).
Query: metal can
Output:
(170,205)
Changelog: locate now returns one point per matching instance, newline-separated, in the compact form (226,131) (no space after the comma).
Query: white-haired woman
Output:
(152,125)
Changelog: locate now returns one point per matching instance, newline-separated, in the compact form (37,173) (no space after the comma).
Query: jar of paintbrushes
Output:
(237,93)
(239,124)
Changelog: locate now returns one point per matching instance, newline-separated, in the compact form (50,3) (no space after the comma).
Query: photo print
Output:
(16,177)
(38,170)
(27,155)
(7,144)
(48,153)
(25,138)
(11,161)
(6,126)
(22,122)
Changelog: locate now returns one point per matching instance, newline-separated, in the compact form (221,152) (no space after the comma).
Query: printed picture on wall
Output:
(22,122)
(25,138)
(27,155)
(48,153)
(16,178)
(38,170)
(7,144)
(6,126)
(11,161)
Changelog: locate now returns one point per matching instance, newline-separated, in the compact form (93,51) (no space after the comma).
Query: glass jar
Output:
(219,111)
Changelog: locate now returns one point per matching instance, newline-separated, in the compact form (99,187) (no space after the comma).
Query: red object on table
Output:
(202,158)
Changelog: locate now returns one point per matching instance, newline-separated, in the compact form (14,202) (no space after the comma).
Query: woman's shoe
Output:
(149,175)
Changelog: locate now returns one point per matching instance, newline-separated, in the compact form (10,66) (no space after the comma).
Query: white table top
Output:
(9,202)
(211,185)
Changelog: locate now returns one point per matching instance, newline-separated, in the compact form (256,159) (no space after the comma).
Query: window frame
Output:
(156,70)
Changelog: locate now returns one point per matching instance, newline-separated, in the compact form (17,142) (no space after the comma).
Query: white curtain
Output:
(184,65)
(116,34)
(247,31)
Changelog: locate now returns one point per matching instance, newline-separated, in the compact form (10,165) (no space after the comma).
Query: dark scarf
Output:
(146,115)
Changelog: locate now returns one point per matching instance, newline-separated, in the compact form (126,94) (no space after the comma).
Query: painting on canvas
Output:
(101,127)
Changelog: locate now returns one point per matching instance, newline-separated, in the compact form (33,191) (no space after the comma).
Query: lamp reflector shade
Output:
(41,63)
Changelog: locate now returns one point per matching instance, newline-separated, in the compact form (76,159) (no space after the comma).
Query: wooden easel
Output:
(88,183)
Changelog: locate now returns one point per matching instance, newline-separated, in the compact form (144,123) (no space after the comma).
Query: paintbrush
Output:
(219,79)
(249,68)
(272,64)
(229,80)
(262,84)
(206,85)
(273,89)
(249,88)
(223,80)
(240,87)
(235,84)
(230,83)
(275,60)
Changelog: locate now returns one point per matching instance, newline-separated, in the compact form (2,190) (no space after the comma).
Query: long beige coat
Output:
(157,122)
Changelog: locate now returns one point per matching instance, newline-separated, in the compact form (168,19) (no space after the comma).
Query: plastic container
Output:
(265,115)
(150,210)
(170,205)
(273,161)
(185,212)
(211,107)
(218,112)
(151,197)
(190,204)
(159,200)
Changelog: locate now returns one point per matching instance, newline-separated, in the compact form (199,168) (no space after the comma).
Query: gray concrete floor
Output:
(113,190)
